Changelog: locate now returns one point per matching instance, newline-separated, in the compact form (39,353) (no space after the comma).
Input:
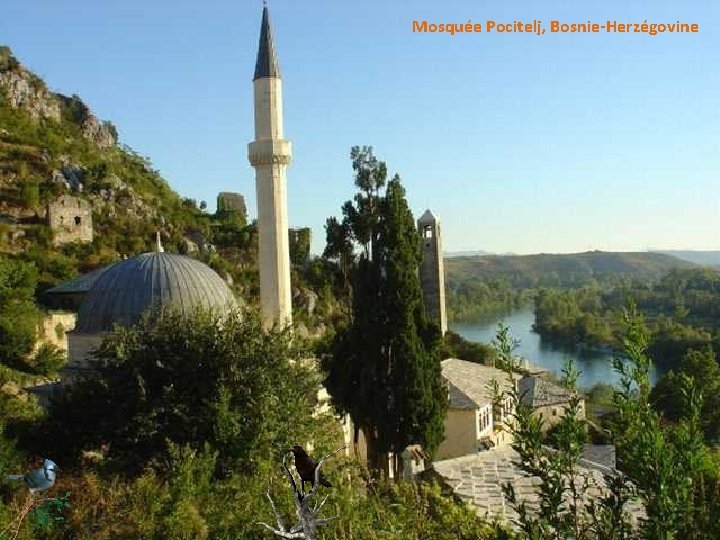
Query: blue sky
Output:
(519,143)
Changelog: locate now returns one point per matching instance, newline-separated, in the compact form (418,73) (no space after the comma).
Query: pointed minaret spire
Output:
(267,63)
(270,153)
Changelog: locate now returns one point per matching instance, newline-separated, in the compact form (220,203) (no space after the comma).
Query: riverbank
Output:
(595,364)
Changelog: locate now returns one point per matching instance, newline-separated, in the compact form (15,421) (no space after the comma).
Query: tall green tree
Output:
(359,224)
(19,315)
(299,245)
(385,370)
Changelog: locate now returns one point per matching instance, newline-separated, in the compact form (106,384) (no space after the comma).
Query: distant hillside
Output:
(705,258)
(455,254)
(571,270)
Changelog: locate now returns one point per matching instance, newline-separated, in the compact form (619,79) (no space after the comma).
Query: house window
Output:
(484,419)
(77,220)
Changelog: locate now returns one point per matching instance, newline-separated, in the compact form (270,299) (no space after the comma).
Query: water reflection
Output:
(595,365)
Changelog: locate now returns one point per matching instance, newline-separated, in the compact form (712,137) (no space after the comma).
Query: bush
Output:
(191,381)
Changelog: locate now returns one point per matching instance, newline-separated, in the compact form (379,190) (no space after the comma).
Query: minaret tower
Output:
(432,271)
(270,154)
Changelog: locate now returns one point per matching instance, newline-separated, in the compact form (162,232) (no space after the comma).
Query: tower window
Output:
(77,220)
(428,232)
(62,219)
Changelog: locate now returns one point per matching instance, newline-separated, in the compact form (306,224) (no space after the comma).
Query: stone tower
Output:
(432,271)
(70,219)
(270,154)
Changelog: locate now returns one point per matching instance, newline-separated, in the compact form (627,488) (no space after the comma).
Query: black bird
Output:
(305,466)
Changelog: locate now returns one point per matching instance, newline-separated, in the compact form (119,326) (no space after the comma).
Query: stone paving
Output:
(478,479)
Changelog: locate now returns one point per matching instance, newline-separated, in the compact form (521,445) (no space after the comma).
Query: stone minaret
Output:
(432,271)
(270,154)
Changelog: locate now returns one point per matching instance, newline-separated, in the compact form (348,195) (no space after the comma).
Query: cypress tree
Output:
(385,369)
(417,399)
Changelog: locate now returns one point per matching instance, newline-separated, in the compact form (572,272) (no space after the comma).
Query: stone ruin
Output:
(70,219)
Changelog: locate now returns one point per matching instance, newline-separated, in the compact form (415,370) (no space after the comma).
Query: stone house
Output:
(70,219)
(474,422)
(548,400)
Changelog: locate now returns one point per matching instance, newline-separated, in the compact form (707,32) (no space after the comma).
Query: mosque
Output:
(122,292)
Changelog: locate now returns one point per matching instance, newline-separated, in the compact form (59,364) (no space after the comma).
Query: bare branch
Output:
(325,521)
(282,534)
(279,520)
(308,523)
(317,509)
(290,476)
(31,503)
(317,473)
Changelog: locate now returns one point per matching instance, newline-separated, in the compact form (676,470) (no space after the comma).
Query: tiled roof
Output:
(427,217)
(602,454)
(539,392)
(469,382)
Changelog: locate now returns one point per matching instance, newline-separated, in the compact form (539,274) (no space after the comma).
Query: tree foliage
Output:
(19,316)
(668,394)
(667,467)
(670,465)
(190,381)
(680,312)
(385,369)
(299,245)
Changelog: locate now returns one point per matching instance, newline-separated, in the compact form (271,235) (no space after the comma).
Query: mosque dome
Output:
(128,288)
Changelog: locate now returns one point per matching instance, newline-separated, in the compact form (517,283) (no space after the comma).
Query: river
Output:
(595,366)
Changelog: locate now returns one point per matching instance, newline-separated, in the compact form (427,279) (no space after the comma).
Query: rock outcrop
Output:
(24,90)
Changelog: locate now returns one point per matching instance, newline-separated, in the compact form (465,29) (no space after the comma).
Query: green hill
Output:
(489,283)
(561,270)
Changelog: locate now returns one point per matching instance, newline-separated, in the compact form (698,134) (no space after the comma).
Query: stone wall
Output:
(55,325)
(80,347)
(552,414)
(70,219)
(231,207)
(461,435)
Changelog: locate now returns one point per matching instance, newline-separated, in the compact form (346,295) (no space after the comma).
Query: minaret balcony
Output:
(270,152)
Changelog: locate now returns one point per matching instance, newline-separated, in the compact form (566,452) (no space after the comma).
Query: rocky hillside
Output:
(55,151)
(53,145)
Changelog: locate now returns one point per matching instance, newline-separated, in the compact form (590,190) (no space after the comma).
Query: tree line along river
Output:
(595,366)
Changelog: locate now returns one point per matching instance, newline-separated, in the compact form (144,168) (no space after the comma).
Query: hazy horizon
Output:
(472,252)
(519,144)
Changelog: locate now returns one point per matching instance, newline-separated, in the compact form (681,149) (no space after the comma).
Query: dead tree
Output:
(308,522)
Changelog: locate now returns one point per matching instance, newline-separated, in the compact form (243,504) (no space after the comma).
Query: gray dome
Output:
(128,288)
